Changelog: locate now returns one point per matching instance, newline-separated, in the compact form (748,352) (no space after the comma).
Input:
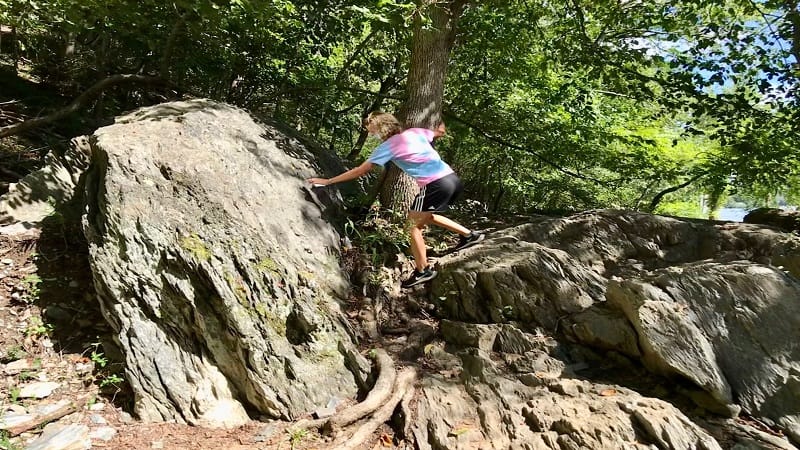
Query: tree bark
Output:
(430,54)
(102,69)
(397,190)
(15,49)
(431,45)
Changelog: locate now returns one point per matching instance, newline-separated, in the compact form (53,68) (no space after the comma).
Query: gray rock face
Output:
(533,404)
(214,268)
(712,303)
(786,220)
(46,191)
(62,437)
(733,329)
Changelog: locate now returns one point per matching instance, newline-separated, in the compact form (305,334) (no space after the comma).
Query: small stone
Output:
(103,433)
(7,261)
(266,433)
(157,444)
(99,406)
(321,413)
(63,437)
(58,314)
(15,367)
(48,408)
(333,402)
(82,368)
(38,390)
(16,409)
(16,296)
(74,284)
(14,419)
(125,418)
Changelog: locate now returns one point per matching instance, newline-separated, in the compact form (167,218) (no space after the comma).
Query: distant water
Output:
(732,214)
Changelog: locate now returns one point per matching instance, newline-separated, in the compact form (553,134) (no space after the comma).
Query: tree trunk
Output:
(15,49)
(793,14)
(430,53)
(397,190)
(70,44)
(657,199)
(169,47)
(102,64)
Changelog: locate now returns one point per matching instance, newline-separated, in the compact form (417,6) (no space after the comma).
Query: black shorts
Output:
(437,195)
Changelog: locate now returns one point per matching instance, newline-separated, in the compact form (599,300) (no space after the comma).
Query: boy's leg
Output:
(468,237)
(418,222)
(449,224)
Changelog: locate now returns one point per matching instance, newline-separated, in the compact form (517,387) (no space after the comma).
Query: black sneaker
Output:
(418,278)
(469,240)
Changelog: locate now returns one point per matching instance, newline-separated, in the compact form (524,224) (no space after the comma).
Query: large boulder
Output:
(732,329)
(215,267)
(785,220)
(710,303)
(53,189)
(516,391)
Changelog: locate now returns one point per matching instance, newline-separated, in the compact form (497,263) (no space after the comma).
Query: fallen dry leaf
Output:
(459,431)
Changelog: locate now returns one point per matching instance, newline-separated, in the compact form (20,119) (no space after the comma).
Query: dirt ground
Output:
(50,323)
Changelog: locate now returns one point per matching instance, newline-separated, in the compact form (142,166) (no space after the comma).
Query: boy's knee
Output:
(420,220)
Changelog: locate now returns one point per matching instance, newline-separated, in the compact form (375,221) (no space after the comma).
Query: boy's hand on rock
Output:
(318,182)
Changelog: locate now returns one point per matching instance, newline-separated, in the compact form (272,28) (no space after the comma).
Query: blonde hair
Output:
(387,124)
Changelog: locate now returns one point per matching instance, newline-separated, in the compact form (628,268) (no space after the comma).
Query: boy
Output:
(411,151)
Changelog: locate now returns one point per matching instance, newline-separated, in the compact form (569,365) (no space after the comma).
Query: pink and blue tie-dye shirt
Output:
(411,150)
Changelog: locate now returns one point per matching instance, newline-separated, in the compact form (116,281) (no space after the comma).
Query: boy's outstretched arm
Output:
(351,174)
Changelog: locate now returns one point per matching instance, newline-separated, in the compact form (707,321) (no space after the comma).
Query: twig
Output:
(37,420)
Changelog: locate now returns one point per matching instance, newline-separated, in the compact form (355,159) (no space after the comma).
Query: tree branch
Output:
(79,102)
(57,411)
(359,48)
(335,87)
(657,199)
(538,156)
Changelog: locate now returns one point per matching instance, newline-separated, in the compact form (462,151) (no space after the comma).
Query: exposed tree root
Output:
(405,415)
(376,398)
(404,384)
